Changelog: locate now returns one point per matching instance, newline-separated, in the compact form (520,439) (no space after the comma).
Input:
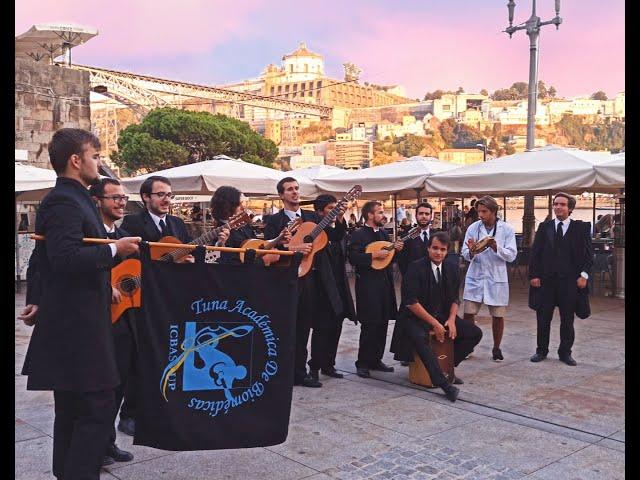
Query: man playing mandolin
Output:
(375,293)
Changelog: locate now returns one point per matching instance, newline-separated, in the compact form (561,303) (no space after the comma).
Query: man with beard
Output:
(375,292)
(111,200)
(416,248)
(71,350)
(333,302)
(289,192)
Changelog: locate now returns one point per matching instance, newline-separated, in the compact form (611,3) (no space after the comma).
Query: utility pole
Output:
(532,27)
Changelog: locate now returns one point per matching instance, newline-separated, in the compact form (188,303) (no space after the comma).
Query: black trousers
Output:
(324,343)
(468,336)
(373,337)
(81,432)
(303,326)
(125,347)
(560,292)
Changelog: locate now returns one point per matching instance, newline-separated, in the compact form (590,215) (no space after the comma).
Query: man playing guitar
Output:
(289,192)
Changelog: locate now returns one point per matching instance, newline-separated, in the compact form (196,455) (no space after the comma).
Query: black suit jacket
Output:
(417,286)
(579,237)
(71,347)
(414,249)
(541,263)
(142,225)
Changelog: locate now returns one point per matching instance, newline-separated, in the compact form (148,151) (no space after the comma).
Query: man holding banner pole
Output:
(71,350)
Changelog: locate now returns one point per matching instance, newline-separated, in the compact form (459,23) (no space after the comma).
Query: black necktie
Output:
(438,277)
(163,227)
(425,239)
(112,235)
(559,231)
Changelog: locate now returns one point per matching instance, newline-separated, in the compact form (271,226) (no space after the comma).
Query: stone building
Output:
(47,98)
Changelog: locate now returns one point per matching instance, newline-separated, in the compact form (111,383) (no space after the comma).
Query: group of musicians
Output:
(90,364)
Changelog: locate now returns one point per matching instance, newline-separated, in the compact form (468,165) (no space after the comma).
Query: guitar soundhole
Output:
(127,285)
(308,239)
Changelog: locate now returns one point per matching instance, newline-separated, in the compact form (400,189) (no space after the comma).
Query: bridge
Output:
(143,93)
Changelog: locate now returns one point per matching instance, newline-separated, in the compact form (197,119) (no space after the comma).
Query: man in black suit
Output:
(430,291)
(333,302)
(561,259)
(289,192)
(375,292)
(71,350)
(416,248)
(111,201)
(151,224)
(154,222)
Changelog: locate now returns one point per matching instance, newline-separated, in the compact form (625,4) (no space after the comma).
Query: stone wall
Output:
(47,98)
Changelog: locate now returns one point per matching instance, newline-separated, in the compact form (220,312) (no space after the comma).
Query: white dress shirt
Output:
(292,215)
(565,225)
(156,219)
(112,246)
(434,267)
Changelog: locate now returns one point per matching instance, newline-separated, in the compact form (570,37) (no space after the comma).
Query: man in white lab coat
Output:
(486,281)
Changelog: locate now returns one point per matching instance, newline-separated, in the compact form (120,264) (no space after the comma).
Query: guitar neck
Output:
(331,216)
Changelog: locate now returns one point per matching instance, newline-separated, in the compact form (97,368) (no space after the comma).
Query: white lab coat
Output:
(487,279)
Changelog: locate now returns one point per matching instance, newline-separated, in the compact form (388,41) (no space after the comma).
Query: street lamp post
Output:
(532,27)
(483,146)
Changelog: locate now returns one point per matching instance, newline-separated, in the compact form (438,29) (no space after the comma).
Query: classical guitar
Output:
(309,232)
(380,263)
(256,243)
(126,276)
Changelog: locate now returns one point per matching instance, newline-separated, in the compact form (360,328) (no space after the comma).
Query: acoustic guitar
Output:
(380,263)
(256,243)
(126,276)
(309,232)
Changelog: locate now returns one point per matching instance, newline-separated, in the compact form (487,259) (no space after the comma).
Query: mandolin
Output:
(256,243)
(126,276)
(380,263)
(309,232)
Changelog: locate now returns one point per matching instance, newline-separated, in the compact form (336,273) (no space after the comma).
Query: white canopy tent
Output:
(541,170)
(610,174)
(32,183)
(312,173)
(404,178)
(205,177)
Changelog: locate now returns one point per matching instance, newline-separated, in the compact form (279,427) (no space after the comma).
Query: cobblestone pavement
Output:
(513,419)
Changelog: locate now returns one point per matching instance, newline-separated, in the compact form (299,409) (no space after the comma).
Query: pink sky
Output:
(422,45)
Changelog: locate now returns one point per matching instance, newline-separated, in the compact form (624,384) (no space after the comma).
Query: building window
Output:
(306,68)
(273,90)
(279,88)
(319,84)
(446,108)
(290,68)
(286,88)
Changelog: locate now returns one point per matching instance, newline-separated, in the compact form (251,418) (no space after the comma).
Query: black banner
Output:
(215,359)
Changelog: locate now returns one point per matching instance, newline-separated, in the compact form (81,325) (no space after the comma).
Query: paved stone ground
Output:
(513,419)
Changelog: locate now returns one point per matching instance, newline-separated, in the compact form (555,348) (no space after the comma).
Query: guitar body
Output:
(256,243)
(380,263)
(126,278)
(319,243)
(157,252)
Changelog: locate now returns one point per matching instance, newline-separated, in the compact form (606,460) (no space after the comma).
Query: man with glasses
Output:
(151,224)
(111,200)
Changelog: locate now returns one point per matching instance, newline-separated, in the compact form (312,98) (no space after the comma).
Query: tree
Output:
(542,90)
(509,149)
(165,134)
(460,90)
(522,88)
(505,94)
(599,95)
(411,146)
(484,92)
(466,136)
(552,91)
(433,95)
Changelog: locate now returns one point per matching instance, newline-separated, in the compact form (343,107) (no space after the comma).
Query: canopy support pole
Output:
(395,215)
(593,223)
(504,206)
(549,205)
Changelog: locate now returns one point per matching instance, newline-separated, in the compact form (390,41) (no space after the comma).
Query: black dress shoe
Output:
(451,392)
(331,372)
(568,359)
(363,372)
(538,357)
(107,460)
(314,374)
(119,455)
(381,367)
(308,381)
(457,381)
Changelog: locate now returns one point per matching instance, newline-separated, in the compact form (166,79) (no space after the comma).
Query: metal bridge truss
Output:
(145,93)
